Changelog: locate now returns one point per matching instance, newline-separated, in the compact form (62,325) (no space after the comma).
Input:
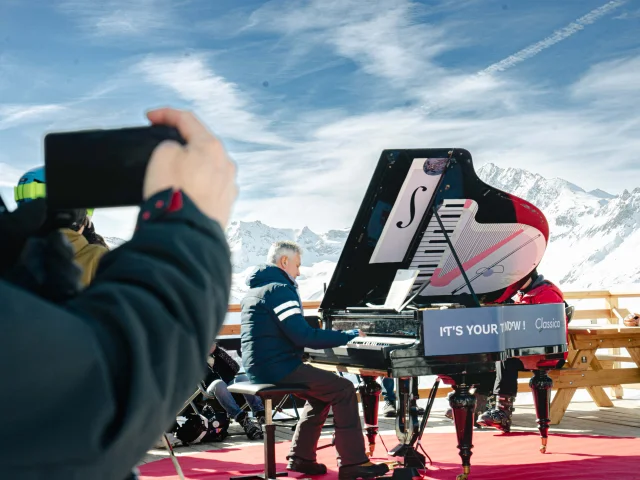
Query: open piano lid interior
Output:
(498,237)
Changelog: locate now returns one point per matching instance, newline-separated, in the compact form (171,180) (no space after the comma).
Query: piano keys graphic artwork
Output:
(412,202)
(493,255)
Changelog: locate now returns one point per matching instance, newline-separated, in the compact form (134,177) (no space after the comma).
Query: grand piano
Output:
(466,248)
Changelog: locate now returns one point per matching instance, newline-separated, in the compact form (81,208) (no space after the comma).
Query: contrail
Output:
(556,37)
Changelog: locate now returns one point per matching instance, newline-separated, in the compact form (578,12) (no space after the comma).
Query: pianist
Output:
(274,334)
(537,290)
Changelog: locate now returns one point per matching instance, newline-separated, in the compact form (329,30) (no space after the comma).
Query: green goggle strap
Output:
(29,191)
(33,190)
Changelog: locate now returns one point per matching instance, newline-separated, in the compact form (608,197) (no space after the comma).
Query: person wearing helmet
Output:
(536,290)
(88,246)
(497,391)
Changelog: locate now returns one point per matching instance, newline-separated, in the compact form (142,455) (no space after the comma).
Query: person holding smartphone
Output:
(88,246)
(164,294)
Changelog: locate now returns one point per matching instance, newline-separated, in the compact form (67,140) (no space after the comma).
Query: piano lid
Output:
(499,238)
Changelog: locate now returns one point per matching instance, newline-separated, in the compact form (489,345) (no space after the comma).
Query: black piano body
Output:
(447,341)
(471,247)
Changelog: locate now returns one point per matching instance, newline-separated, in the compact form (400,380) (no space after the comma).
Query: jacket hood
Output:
(535,284)
(266,274)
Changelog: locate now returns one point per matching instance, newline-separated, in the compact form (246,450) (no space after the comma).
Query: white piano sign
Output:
(493,328)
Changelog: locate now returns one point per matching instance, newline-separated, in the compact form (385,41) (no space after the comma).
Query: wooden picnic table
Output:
(586,368)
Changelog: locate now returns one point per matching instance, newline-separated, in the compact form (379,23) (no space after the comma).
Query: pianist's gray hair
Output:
(282,248)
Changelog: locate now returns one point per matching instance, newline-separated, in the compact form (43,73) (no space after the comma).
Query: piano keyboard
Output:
(368,341)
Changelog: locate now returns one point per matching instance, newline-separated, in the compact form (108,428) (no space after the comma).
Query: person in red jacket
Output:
(535,290)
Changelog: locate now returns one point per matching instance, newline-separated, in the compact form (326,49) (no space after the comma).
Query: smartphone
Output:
(100,168)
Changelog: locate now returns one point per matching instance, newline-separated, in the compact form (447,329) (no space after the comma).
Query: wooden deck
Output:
(582,417)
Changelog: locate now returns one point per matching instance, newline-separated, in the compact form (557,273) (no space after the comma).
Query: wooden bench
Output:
(586,368)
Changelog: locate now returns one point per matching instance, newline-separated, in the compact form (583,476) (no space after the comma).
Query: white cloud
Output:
(615,79)
(314,167)
(123,18)
(220,103)
(557,36)
(332,167)
(9,176)
(384,38)
(12,115)
(630,15)
(391,41)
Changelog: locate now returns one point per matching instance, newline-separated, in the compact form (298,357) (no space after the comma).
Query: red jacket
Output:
(543,291)
(546,292)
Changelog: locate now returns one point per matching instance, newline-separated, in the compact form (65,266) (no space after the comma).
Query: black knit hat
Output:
(534,274)
(71,218)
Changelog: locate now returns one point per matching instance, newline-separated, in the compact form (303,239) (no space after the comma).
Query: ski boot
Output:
(499,416)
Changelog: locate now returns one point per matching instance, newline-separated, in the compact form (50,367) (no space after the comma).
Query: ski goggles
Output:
(30,191)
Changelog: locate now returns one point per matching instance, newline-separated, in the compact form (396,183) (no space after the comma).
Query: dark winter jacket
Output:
(274,332)
(90,385)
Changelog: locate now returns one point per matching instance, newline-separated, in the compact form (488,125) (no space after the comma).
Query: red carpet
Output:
(495,456)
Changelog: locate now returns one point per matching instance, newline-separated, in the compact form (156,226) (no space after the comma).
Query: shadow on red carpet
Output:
(495,455)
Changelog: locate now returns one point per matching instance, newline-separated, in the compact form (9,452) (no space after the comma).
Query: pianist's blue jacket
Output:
(274,332)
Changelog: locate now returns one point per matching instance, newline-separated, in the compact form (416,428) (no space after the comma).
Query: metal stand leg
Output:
(408,425)
(174,459)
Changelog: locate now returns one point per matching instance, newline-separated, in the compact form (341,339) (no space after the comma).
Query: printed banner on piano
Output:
(493,328)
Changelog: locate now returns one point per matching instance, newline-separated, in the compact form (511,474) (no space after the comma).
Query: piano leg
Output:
(370,391)
(540,385)
(463,405)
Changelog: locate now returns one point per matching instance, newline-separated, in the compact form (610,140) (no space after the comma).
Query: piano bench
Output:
(267,392)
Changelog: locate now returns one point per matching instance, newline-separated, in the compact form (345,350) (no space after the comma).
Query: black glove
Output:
(35,256)
(46,267)
(92,237)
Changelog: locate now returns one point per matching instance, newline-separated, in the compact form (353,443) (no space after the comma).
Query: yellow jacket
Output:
(85,254)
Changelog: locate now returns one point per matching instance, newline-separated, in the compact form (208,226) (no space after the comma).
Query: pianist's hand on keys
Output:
(358,331)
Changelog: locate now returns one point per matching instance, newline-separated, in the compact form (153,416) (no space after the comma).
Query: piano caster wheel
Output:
(465,475)
(372,448)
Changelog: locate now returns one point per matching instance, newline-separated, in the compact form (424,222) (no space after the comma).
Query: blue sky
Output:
(305,94)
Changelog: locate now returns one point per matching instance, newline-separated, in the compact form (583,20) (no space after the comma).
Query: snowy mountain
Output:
(591,244)
(250,242)
(591,247)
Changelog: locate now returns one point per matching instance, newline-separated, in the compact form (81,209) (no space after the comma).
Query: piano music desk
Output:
(586,369)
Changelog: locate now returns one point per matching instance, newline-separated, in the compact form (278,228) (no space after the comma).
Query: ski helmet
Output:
(32,185)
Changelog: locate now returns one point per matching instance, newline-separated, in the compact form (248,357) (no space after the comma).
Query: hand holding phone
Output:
(123,167)
(100,168)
